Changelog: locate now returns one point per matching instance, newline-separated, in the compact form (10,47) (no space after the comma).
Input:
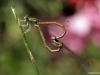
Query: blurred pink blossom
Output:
(84,25)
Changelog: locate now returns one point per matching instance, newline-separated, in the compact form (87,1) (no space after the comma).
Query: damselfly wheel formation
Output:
(27,22)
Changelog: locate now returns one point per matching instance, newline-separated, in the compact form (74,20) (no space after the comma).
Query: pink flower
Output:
(84,24)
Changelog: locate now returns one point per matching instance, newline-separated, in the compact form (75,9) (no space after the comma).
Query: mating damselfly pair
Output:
(27,22)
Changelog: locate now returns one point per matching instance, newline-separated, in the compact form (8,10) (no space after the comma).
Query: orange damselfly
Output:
(55,39)
(29,21)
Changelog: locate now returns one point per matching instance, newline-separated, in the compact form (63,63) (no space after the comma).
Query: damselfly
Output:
(27,22)
(55,39)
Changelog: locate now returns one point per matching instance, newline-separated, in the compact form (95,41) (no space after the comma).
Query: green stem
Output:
(25,42)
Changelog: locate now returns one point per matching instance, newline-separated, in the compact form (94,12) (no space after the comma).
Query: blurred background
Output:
(82,37)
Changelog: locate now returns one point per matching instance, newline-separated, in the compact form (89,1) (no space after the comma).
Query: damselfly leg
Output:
(27,22)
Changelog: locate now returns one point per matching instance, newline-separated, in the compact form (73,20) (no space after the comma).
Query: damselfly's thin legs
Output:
(27,23)
(58,44)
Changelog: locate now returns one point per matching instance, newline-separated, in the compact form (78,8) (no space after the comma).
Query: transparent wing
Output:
(54,30)
(81,61)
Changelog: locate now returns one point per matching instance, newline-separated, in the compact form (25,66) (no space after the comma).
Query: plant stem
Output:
(25,42)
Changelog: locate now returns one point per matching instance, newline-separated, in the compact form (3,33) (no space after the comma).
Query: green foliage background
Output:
(14,59)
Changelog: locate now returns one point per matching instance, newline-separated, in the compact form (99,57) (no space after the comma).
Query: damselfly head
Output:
(33,20)
(26,17)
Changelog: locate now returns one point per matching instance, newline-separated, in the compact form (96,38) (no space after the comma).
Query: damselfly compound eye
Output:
(33,20)
(26,17)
